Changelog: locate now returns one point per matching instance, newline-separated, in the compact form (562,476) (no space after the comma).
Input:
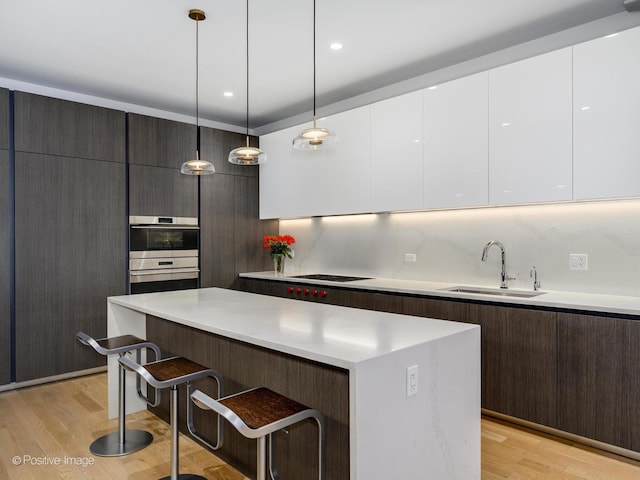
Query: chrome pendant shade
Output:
(247,155)
(197,166)
(314,138)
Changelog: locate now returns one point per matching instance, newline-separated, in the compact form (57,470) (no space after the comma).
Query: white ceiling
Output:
(142,52)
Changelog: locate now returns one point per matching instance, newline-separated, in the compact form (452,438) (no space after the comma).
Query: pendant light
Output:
(247,155)
(197,166)
(314,138)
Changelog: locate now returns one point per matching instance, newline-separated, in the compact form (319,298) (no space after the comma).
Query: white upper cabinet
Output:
(456,143)
(348,188)
(396,153)
(530,130)
(292,182)
(607,117)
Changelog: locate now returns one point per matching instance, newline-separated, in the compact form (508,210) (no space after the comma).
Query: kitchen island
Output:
(319,354)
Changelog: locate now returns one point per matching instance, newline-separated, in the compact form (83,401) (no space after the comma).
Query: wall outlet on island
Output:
(412,380)
(578,261)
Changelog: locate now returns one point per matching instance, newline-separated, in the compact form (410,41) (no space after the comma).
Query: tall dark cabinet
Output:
(231,233)
(70,230)
(5,242)
(157,149)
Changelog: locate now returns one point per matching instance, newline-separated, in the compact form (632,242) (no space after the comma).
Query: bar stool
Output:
(123,441)
(258,413)
(170,373)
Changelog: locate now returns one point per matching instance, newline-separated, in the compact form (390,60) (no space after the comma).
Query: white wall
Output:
(449,244)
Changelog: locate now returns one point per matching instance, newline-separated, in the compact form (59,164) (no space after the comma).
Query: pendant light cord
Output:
(197,85)
(314,61)
(247,71)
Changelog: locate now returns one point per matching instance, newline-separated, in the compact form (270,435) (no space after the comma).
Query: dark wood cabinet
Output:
(159,191)
(217,232)
(5,268)
(4,119)
(519,361)
(70,255)
(230,231)
(215,146)
(157,149)
(598,387)
(58,127)
(436,308)
(157,142)
(249,229)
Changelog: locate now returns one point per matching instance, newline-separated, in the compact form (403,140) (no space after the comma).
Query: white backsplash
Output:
(448,245)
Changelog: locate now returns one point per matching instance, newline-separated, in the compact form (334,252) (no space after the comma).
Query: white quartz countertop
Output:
(338,336)
(554,299)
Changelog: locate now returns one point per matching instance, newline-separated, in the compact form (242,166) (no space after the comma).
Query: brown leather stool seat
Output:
(170,373)
(259,412)
(123,441)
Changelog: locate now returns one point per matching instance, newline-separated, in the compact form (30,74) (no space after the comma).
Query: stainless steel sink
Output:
(490,291)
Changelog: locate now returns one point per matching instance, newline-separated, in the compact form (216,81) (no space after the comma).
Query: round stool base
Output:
(110,446)
(185,476)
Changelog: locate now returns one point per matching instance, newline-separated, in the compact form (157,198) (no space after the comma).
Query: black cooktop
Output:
(330,278)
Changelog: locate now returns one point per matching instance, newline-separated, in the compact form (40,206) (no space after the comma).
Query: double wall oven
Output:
(163,253)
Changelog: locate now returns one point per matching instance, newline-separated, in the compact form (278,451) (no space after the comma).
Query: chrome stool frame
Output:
(170,373)
(122,442)
(255,403)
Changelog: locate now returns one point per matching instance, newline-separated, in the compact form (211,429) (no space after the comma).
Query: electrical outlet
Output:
(410,257)
(578,261)
(412,380)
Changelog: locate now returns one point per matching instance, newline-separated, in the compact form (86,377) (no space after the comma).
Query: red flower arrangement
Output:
(279,244)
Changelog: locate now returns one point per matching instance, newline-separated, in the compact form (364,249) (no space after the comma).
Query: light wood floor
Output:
(58,421)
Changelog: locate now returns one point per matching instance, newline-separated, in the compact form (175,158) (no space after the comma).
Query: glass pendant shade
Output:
(247,155)
(315,138)
(197,167)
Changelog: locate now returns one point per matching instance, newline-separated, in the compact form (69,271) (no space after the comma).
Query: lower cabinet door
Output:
(598,379)
(519,361)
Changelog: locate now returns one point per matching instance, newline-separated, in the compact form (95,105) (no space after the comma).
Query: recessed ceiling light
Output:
(228,94)
(611,35)
(335,46)
(432,87)
(505,124)
(586,107)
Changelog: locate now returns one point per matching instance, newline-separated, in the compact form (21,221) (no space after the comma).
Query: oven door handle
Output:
(168,226)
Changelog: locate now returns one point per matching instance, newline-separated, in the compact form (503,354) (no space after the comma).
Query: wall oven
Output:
(163,253)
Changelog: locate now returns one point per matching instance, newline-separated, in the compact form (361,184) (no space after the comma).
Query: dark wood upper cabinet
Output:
(519,361)
(5,271)
(215,146)
(60,127)
(160,143)
(4,119)
(598,378)
(159,191)
(70,255)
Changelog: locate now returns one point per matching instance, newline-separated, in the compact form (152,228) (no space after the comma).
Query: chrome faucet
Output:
(534,274)
(504,276)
